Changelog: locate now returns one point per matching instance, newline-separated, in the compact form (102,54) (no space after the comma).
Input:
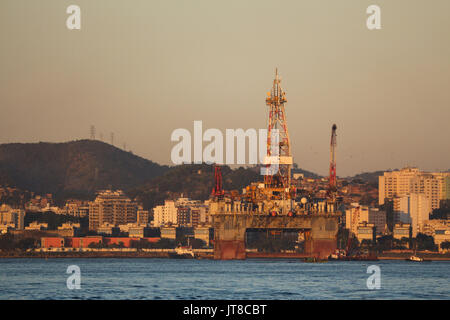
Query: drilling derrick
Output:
(217,190)
(276,99)
(332,188)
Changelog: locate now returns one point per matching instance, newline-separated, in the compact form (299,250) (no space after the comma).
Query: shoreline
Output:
(199,256)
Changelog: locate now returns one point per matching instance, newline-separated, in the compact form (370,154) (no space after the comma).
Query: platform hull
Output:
(229,233)
(230,250)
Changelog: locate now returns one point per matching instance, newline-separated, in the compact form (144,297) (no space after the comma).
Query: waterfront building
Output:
(169,233)
(176,232)
(142,231)
(111,207)
(52,242)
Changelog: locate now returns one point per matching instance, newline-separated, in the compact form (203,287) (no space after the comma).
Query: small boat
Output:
(182,253)
(414,259)
(334,256)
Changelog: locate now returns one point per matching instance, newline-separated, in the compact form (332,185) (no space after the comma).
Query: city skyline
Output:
(385,89)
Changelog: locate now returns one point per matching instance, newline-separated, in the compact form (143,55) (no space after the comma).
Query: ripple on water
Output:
(206,279)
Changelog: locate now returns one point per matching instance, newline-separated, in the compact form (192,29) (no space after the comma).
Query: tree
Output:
(385,243)
(342,237)
(366,243)
(165,244)
(7,242)
(197,243)
(425,242)
(52,219)
(95,245)
(445,245)
(27,243)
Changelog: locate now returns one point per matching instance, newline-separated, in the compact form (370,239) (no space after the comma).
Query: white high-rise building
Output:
(165,214)
(397,184)
(414,209)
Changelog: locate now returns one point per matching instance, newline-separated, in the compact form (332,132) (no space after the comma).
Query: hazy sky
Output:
(141,69)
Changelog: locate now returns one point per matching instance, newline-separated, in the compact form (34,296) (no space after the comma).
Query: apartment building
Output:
(358,214)
(111,207)
(413,209)
(13,218)
(165,214)
(397,184)
(182,212)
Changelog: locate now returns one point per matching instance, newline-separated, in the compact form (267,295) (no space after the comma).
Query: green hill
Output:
(80,168)
(73,168)
(194,181)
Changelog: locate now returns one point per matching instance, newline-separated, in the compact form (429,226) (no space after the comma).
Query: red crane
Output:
(332,180)
(218,186)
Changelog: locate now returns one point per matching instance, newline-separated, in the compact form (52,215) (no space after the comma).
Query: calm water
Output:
(209,279)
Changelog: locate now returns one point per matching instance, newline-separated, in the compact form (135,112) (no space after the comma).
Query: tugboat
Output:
(414,258)
(182,253)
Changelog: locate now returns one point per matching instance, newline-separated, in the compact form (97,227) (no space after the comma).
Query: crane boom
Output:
(332,179)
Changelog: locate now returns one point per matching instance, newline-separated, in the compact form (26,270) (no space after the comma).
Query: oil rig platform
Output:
(271,204)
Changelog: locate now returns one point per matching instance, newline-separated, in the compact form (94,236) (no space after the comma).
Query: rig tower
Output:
(279,182)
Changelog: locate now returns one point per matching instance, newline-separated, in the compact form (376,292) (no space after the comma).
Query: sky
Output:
(142,69)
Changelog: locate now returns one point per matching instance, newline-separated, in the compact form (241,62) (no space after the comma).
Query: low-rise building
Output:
(52,242)
(143,231)
(5,228)
(37,226)
(69,229)
(204,233)
(108,229)
(365,231)
(358,214)
(84,242)
(439,229)
(402,230)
